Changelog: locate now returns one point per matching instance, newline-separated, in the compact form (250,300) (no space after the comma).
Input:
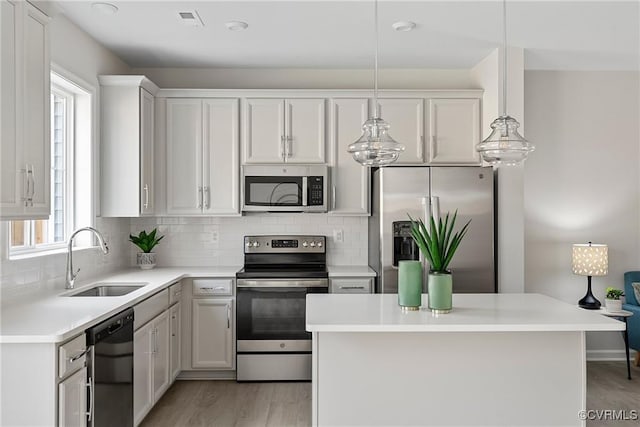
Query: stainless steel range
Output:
(279,272)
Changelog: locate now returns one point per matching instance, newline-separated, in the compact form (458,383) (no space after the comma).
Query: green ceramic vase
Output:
(440,290)
(410,284)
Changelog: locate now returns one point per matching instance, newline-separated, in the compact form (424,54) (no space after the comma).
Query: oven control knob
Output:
(256,244)
(319,244)
(313,244)
(305,244)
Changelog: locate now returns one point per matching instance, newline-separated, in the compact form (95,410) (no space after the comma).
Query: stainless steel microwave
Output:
(284,188)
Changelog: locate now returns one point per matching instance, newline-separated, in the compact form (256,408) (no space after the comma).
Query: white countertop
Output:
(471,313)
(54,317)
(350,271)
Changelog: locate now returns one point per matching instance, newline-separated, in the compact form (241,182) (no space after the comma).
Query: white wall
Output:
(294,78)
(74,51)
(582,183)
(488,74)
(218,241)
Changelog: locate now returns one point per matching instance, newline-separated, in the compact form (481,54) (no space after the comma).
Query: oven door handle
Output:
(243,283)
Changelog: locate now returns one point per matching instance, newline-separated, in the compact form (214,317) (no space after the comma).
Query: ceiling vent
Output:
(190,18)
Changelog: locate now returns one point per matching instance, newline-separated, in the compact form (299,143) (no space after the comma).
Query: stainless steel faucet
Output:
(70,275)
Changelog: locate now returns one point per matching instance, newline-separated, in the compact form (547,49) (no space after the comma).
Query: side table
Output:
(621,315)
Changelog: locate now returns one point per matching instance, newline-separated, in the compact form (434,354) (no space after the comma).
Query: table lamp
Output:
(590,260)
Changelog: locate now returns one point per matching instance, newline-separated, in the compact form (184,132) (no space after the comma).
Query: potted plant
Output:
(612,299)
(146,259)
(438,244)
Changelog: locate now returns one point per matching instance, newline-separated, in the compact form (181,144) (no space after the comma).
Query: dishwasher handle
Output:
(104,330)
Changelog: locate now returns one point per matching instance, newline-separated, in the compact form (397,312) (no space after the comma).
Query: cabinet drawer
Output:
(150,308)
(175,293)
(72,355)
(351,286)
(212,287)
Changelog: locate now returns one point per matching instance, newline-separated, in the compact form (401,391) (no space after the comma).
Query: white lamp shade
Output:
(590,260)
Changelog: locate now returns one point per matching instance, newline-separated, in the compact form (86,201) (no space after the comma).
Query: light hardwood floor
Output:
(609,388)
(227,403)
(230,404)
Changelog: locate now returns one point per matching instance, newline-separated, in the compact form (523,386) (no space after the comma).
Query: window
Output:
(70,153)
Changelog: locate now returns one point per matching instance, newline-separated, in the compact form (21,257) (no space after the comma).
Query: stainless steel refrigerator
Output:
(398,192)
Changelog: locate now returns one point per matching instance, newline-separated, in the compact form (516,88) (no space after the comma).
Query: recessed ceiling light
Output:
(403,25)
(236,25)
(104,8)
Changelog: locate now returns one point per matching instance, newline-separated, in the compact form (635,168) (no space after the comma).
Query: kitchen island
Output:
(495,360)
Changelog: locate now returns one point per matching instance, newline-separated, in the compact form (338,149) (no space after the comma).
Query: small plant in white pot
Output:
(612,300)
(146,259)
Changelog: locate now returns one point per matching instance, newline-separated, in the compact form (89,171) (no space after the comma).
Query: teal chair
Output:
(632,304)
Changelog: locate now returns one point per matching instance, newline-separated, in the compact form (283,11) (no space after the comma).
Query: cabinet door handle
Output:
(146,196)
(79,355)
(229,316)
(29,185)
(333,197)
(206,197)
(33,185)
(199,197)
(433,152)
(351,287)
(289,146)
(90,411)
(154,337)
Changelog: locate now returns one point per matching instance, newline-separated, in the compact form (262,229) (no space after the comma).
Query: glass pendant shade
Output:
(375,147)
(504,145)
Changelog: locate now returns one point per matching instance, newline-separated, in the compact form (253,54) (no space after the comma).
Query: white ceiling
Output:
(589,35)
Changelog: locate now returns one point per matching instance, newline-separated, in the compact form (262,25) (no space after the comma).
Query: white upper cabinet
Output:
(454,131)
(405,117)
(127,146)
(184,156)
(202,144)
(25,147)
(350,181)
(284,130)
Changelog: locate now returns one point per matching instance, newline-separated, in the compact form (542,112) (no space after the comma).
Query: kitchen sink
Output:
(109,289)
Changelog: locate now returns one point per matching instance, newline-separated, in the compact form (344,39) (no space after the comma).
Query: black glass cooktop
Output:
(317,272)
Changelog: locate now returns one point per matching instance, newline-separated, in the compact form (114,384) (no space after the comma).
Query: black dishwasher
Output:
(110,367)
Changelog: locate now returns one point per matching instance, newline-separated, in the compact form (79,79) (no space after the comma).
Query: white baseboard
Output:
(207,375)
(608,355)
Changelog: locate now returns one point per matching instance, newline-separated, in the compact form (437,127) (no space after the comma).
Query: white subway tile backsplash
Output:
(189,241)
(193,241)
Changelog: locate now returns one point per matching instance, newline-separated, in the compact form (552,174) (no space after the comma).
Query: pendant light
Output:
(504,146)
(375,147)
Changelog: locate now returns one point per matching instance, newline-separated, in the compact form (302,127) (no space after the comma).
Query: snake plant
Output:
(438,243)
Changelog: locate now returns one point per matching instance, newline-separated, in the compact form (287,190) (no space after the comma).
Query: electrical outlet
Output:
(214,237)
(338,236)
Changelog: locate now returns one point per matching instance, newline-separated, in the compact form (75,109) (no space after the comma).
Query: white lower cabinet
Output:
(175,314)
(355,285)
(150,365)
(72,400)
(212,333)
